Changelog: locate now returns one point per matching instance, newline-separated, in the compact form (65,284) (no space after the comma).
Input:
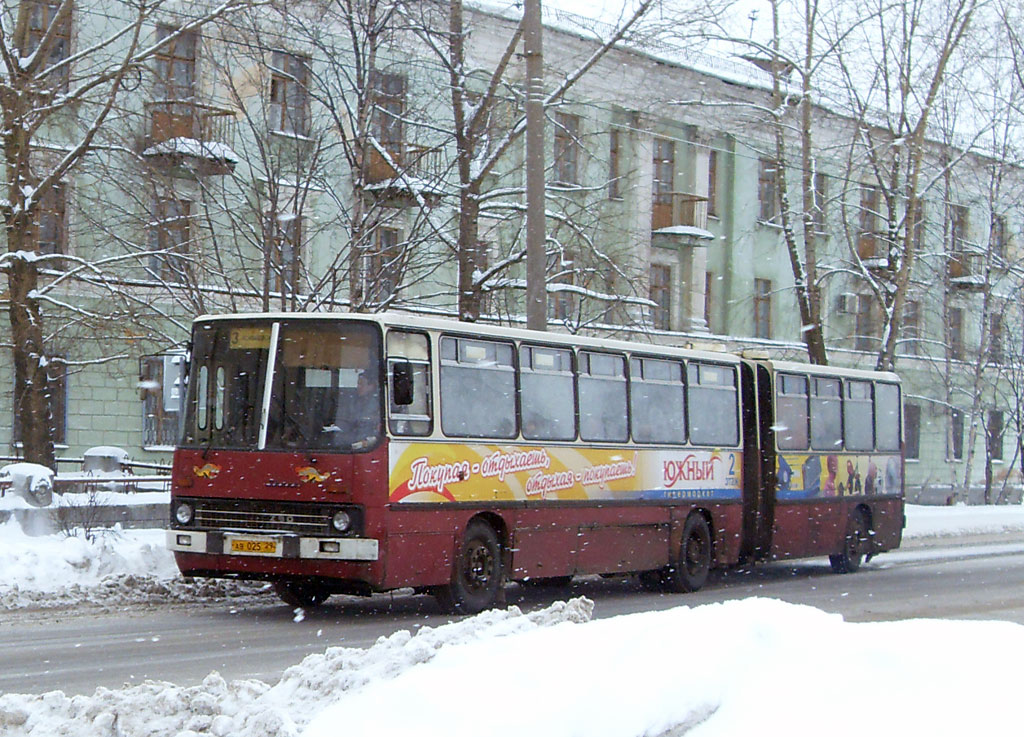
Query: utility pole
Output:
(536,288)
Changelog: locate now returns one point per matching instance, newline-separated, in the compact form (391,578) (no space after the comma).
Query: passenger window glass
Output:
(791,412)
(657,399)
(858,424)
(547,395)
(409,376)
(826,415)
(602,386)
(478,388)
(887,417)
(713,404)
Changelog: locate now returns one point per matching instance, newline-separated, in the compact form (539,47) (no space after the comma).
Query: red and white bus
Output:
(361,453)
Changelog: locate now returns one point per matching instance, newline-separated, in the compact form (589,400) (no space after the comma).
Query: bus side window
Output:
(791,414)
(409,405)
(547,399)
(478,388)
(887,417)
(602,387)
(657,401)
(826,415)
(858,416)
(713,404)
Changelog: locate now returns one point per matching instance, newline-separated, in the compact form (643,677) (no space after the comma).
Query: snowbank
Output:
(755,666)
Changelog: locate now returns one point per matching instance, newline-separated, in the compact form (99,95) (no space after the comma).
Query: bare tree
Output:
(55,85)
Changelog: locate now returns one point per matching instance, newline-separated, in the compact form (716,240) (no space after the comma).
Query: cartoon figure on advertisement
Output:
(832,464)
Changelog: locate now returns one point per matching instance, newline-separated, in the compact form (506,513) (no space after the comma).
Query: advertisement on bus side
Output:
(453,472)
(815,476)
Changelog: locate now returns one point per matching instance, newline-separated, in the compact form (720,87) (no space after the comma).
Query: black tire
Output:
(301,594)
(855,545)
(477,572)
(690,571)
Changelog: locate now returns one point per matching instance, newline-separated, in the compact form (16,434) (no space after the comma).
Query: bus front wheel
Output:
(854,544)
(476,573)
(302,594)
(690,571)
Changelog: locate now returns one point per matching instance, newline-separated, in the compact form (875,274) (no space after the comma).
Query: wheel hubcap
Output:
(479,566)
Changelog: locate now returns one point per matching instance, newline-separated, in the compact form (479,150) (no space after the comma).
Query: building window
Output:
(995,340)
(762,308)
(994,435)
(912,430)
(768,191)
(867,236)
(663,171)
(289,93)
(709,281)
(284,240)
(567,148)
(169,234)
(162,379)
(57,385)
(385,266)
(955,451)
(999,236)
(917,222)
(562,303)
(866,324)
(661,295)
(818,211)
(713,182)
(956,333)
(51,221)
(176,64)
(386,120)
(614,166)
(959,227)
(911,328)
(41,15)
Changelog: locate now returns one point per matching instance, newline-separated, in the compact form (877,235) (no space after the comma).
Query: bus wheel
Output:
(302,594)
(690,571)
(854,544)
(477,573)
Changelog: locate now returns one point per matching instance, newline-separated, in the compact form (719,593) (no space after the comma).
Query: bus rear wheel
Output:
(690,571)
(477,574)
(302,594)
(854,545)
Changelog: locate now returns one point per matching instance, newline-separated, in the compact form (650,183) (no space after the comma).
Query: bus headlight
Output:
(341,521)
(183,513)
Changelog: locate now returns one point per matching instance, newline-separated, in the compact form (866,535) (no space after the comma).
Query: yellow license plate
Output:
(254,547)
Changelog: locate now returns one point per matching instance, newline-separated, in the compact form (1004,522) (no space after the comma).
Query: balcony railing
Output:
(168,119)
(679,209)
(407,159)
(966,269)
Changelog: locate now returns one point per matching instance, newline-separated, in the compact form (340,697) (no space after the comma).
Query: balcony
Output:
(679,210)
(189,135)
(413,172)
(966,270)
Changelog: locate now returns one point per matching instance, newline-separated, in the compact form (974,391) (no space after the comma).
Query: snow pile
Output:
(117,567)
(252,708)
(32,482)
(930,522)
(740,667)
(755,666)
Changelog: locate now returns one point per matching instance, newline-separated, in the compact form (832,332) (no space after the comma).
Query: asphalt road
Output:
(78,650)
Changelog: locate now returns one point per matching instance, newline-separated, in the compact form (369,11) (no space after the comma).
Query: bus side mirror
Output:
(401,384)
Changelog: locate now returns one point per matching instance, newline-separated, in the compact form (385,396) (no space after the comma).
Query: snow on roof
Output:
(687,230)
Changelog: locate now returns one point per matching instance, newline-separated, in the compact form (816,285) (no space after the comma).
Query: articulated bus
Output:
(360,453)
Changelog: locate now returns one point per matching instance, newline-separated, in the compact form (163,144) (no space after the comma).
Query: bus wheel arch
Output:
(478,567)
(692,564)
(856,541)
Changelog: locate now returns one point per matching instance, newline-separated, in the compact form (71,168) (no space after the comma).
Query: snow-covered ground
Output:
(757,664)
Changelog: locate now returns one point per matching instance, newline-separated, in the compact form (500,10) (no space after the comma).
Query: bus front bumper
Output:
(272,546)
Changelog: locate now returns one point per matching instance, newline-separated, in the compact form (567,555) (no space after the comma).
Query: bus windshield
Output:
(326,386)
